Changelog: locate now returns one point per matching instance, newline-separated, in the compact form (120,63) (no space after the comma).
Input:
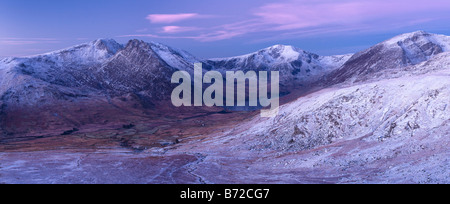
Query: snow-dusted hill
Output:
(400,51)
(393,128)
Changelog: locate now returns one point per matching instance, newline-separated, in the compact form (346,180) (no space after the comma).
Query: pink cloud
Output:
(27,41)
(177,29)
(293,18)
(205,37)
(298,14)
(171,18)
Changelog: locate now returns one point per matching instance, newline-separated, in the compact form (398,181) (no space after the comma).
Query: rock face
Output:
(136,69)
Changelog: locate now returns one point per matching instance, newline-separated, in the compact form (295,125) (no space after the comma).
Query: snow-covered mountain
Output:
(400,51)
(138,74)
(98,65)
(92,75)
(137,69)
(69,67)
(295,65)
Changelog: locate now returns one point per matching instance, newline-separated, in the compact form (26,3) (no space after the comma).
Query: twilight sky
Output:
(212,28)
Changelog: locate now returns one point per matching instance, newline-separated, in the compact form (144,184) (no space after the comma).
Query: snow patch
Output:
(178,59)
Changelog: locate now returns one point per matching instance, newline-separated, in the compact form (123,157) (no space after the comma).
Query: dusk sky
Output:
(210,28)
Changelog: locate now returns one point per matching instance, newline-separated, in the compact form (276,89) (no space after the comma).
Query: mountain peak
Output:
(280,46)
(136,43)
(419,32)
(175,58)
(107,44)
(409,36)
(422,39)
(94,51)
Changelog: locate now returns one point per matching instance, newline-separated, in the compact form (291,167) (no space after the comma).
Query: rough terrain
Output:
(379,116)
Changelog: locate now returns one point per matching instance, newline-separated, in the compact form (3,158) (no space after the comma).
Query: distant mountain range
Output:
(381,115)
(137,76)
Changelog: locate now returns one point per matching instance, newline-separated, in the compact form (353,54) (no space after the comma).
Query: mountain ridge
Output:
(137,74)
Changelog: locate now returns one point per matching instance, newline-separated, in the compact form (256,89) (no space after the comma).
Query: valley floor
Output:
(224,157)
(410,163)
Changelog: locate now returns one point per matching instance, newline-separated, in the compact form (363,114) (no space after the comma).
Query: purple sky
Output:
(210,28)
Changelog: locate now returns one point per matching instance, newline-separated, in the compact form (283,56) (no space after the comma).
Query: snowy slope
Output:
(93,52)
(400,51)
(68,67)
(390,127)
(420,38)
(333,62)
(420,105)
(393,130)
(175,58)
